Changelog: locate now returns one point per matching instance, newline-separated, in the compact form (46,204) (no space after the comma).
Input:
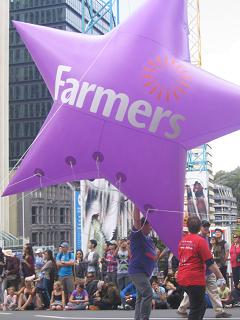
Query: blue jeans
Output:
(143,305)
(43,289)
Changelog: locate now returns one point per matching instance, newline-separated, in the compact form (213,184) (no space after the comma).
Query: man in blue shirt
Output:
(65,263)
(142,262)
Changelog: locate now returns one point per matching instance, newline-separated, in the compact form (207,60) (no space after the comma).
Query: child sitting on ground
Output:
(225,295)
(58,298)
(78,299)
(10,300)
(159,300)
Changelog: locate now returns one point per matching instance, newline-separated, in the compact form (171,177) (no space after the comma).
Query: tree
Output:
(230,179)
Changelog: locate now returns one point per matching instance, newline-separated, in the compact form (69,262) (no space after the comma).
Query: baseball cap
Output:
(64,245)
(205,223)
(39,250)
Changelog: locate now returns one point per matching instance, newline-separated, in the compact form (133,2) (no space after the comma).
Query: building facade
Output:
(45,216)
(225,206)
(4,122)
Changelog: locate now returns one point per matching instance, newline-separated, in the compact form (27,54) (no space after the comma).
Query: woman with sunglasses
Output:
(80,266)
(235,260)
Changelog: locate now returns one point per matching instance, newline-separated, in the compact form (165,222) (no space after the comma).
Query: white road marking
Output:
(5,313)
(85,318)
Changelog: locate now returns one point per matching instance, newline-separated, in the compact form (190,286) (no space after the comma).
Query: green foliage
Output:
(237,230)
(230,179)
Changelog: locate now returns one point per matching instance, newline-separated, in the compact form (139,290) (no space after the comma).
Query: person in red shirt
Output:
(235,259)
(194,256)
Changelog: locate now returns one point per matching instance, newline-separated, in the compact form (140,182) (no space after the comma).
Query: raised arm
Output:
(136,218)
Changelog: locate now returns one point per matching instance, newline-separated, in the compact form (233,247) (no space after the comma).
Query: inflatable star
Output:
(127,107)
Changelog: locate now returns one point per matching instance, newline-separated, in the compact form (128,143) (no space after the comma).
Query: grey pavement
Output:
(101,315)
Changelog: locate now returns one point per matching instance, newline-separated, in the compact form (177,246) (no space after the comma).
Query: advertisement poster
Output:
(196,194)
(78,220)
(106,213)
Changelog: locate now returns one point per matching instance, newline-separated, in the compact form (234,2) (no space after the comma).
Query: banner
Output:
(78,220)
(196,190)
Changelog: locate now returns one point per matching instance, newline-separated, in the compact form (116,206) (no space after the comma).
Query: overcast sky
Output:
(220,36)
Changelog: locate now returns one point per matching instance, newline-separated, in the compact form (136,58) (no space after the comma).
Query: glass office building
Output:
(48,218)
(30,100)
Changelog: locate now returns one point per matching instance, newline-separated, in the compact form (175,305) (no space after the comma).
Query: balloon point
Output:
(98,156)
(121,177)
(71,161)
(39,172)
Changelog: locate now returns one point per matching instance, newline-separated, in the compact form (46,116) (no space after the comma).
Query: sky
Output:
(220,40)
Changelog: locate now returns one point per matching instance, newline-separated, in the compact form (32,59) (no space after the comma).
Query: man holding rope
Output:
(142,262)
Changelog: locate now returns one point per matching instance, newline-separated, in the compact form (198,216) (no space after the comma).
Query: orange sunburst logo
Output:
(166,78)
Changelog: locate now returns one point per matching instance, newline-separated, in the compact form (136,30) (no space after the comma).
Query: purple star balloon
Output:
(128,105)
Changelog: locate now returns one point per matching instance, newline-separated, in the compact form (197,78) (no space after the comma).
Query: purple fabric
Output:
(143,254)
(128,105)
(79,296)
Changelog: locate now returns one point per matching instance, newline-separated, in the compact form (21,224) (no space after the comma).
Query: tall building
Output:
(4,124)
(30,100)
(45,216)
(225,206)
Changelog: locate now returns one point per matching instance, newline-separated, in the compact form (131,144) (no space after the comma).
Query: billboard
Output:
(196,194)
(78,220)
(105,213)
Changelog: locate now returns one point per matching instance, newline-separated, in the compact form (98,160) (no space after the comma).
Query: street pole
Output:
(23,219)
(74,215)
(74,223)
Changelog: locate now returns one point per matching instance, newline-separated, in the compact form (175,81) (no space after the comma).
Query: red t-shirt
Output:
(193,252)
(234,251)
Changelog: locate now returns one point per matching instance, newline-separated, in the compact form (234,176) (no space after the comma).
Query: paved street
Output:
(100,315)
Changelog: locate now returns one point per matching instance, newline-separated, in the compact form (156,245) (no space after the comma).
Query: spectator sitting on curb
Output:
(107,296)
(91,286)
(225,295)
(10,300)
(128,296)
(78,299)
(159,297)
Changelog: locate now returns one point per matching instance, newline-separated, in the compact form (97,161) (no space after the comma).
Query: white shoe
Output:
(120,307)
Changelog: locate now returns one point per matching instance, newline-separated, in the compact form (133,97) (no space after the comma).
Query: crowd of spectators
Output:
(38,280)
